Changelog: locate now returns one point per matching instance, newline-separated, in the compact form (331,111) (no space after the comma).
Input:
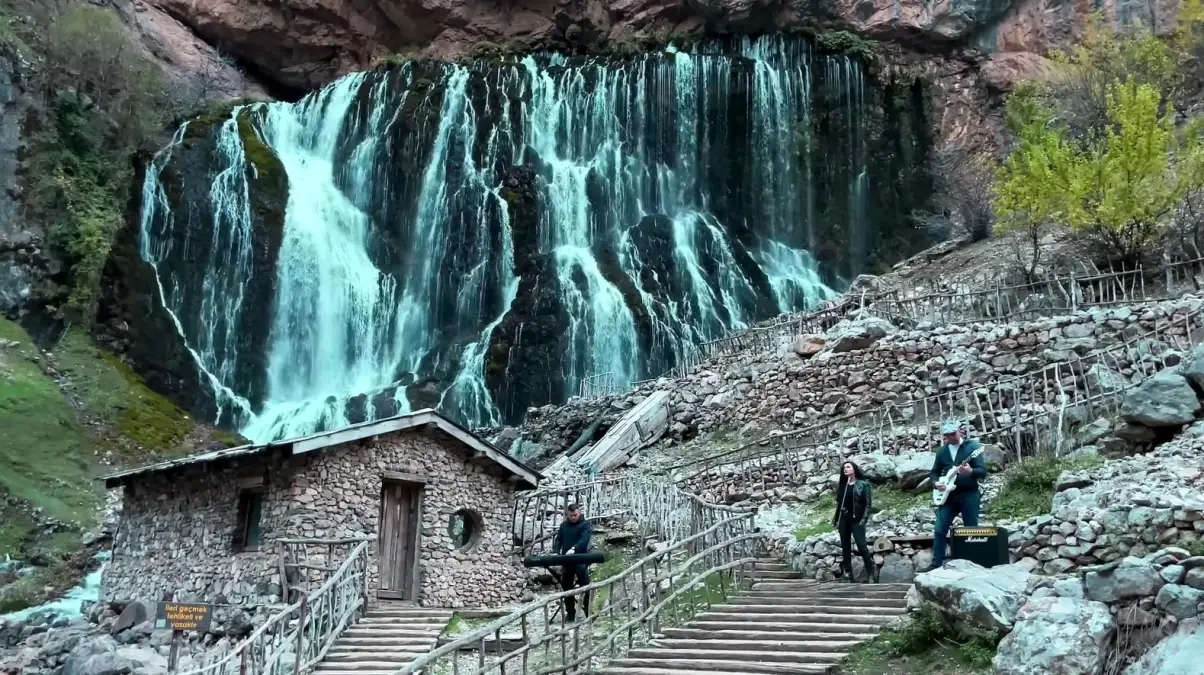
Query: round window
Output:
(464,529)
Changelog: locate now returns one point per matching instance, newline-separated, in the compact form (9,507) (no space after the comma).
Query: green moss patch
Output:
(1028,489)
(924,643)
(109,389)
(815,517)
(46,465)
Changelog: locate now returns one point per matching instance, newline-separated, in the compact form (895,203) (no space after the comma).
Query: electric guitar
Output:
(939,494)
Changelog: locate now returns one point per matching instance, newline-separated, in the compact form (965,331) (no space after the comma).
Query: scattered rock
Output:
(1130,578)
(1177,654)
(1164,400)
(1057,635)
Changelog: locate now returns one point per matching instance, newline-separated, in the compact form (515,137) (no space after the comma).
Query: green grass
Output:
(107,388)
(815,517)
(46,456)
(924,643)
(893,501)
(1028,489)
(1194,547)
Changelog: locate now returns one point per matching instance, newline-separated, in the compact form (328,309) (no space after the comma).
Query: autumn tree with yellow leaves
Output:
(1097,147)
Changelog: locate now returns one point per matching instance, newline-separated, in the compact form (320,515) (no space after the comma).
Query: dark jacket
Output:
(962,484)
(854,505)
(573,535)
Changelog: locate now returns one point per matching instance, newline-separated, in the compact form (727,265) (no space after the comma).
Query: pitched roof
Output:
(320,441)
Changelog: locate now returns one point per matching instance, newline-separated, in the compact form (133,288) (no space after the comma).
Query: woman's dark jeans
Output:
(856,532)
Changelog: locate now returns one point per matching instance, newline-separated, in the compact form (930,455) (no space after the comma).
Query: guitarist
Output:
(963,497)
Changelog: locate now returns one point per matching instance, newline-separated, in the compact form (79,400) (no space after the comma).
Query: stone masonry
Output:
(178,527)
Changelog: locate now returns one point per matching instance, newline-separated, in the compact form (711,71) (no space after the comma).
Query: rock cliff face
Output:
(500,231)
(308,42)
(967,51)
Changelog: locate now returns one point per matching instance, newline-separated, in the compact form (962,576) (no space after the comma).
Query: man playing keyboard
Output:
(573,537)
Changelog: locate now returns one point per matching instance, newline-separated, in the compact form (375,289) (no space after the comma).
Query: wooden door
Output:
(400,518)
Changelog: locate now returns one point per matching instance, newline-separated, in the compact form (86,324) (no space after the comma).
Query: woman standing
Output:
(853,501)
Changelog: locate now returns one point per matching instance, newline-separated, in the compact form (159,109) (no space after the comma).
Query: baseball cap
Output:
(950,427)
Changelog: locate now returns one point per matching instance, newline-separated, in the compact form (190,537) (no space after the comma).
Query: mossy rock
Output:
(111,390)
(268,167)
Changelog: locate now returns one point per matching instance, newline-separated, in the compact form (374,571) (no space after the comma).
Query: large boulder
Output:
(1181,602)
(977,598)
(908,469)
(135,613)
(1125,579)
(1193,367)
(1180,653)
(97,656)
(1164,400)
(1057,636)
(858,333)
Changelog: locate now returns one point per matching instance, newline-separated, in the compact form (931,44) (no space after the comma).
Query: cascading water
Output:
(455,233)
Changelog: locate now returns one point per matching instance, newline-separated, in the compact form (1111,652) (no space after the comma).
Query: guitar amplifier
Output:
(986,546)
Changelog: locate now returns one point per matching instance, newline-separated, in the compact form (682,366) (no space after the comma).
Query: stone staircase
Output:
(784,625)
(389,636)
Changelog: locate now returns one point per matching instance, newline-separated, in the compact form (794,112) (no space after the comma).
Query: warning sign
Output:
(185,616)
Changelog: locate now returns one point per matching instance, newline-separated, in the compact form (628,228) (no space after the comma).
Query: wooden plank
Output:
(405,477)
(415,584)
(643,424)
(387,539)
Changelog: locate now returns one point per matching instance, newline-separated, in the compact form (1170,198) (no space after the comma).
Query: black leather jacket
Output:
(854,505)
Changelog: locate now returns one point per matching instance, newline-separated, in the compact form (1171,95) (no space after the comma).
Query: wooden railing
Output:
(907,307)
(657,506)
(292,641)
(667,588)
(1003,410)
(1052,295)
(306,564)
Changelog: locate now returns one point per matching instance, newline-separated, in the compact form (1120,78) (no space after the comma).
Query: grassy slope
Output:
(47,459)
(60,433)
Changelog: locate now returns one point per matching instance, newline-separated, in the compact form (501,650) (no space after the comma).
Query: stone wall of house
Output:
(177,529)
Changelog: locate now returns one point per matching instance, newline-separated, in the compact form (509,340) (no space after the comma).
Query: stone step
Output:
(404,620)
(691,670)
(393,640)
(775,617)
(383,632)
(771,566)
(780,643)
(817,608)
(439,614)
(819,632)
(373,644)
(770,574)
(378,656)
(781,625)
(850,591)
(353,669)
(361,666)
(736,655)
(721,665)
(823,587)
(848,605)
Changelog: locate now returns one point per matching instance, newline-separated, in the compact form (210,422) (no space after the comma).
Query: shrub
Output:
(1029,488)
(102,99)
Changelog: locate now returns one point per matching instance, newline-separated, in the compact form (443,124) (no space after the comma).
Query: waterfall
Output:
(667,200)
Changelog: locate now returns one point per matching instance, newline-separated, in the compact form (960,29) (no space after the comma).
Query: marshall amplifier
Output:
(986,546)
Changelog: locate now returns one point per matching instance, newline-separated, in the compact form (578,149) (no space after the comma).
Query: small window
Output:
(464,529)
(247,533)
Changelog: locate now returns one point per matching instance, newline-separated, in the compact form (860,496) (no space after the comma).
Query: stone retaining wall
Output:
(862,364)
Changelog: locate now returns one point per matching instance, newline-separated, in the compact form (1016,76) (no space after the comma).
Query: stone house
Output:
(214,527)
